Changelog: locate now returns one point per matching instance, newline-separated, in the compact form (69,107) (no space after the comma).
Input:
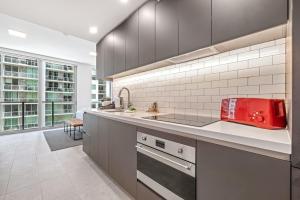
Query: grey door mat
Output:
(58,139)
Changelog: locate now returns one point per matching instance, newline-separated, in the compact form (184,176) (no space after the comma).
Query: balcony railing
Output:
(20,87)
(54,89)
(20,74)
(57,78)
(21,119)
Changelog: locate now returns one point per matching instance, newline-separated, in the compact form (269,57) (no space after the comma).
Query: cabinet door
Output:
(144,193)
(235,18)
(295,184)
(166,29)
(122,155)
(108,55)
(132,41)
(147,33)
(194,24)
(86,138)
(119,49)
(99,61)
(102,143)
(227,173)
(91,129)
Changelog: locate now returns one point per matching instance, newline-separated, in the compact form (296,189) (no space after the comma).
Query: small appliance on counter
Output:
(262,113)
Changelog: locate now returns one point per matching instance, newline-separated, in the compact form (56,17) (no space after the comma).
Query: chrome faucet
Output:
(121,98)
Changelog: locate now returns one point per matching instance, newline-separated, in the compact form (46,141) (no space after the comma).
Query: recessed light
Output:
(17,33)
(124,1)
(93,53)
(93,29)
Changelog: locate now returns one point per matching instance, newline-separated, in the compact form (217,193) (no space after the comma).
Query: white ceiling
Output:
(72,17)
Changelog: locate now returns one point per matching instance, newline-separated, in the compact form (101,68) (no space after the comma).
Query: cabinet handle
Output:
(188,167)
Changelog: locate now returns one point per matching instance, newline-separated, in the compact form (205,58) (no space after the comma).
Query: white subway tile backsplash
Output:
(237,82)
(248,90)
(261,62)
(270,89)
(248,72)
(238,65)
(228,75)
(248,55)
(197,87)
(272,69)
(259,80)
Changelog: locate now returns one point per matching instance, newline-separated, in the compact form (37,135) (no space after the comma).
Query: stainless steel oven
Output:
(166,167)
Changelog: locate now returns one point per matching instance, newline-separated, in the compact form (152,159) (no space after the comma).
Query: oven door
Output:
(169,176)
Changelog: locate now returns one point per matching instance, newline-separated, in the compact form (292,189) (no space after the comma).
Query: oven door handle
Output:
(188,167)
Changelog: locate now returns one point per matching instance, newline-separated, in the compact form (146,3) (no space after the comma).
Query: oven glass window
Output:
(176,181)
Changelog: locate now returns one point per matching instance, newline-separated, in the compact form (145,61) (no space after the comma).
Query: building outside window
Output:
(100,90)
(29,86)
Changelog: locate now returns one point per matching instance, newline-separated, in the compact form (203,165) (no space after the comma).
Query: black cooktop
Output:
(190,120)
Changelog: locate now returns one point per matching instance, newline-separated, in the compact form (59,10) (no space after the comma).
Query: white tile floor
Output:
(30,171)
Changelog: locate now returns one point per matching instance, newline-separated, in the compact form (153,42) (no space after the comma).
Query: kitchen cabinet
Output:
(194,18)
(95,140)
(122,155)
(147,33)
(119,48)
(102,143)
(108,54)
(144,193)
(99,61)
(236,18)
(227,173)
(86,137)
(91,129)
(295,183)
(166,27)
(132,41)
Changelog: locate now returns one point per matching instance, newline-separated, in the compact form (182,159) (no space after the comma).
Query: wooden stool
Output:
(73,123)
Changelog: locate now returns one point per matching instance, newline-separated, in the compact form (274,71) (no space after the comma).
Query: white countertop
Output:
(275,141)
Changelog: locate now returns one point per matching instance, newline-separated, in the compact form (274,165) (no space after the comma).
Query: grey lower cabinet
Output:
(147,33)
(122,155)
(111,145)
(225,173)
(144,193)
(194,18)
(295,183)
(95,140)
(119,48)
(166,27)
(235,18)
(132,41)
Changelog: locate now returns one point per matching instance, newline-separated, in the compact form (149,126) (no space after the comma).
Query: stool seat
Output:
(75,122)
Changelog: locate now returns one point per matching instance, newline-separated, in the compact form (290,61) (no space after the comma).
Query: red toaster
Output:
(263,113)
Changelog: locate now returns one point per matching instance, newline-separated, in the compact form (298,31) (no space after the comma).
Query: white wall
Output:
(84,90)
(44,41)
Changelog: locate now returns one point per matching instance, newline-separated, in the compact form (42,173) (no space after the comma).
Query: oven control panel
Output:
(179,150)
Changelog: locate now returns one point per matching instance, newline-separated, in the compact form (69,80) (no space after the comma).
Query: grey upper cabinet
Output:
(122,155)
(119,48)
(194,24)
(99,61)
(295,184)
(147,33)
(108,54)
(235,18)
(166,26)
(132,41)
(231,174)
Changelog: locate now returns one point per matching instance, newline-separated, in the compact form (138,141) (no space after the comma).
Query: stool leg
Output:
(74,131)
